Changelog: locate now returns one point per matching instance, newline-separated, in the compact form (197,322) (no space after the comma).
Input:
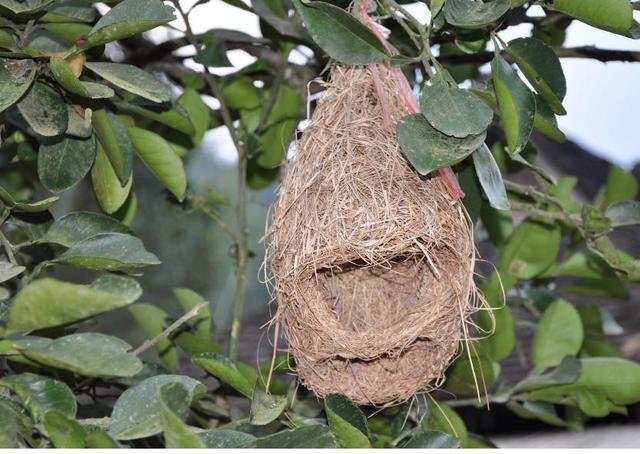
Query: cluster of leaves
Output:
(69,112)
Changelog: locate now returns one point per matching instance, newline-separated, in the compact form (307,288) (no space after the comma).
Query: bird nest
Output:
(371,263)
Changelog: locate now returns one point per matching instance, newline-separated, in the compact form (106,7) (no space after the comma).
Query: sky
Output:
(602,98)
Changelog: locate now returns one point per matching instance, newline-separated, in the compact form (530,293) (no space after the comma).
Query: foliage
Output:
(70,116)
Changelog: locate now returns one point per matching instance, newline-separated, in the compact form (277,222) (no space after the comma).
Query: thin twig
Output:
(146,345)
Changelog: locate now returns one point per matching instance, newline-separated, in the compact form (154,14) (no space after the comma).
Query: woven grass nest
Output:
(371,263)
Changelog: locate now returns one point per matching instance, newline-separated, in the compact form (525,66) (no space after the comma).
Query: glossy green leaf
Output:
(41,394)
(454,111)
(160,158)
(129,18)
(221,438)
(443,418)
(9,270)
(545,121)
(28,207)
(69,11)
(108,251)
(64,163)
(66,77)
(542,68)
(274,14)
(624,213)
(88,354)
(49,302)
(265,407)
(516,102)
(137,412)
(152,321)
(490,178)
(110,193)
(174,403)
(427,149)
(176,117)
(342,36)
(213,53)
(531,249)
(198,112)
(81,225)
(226,371)
(621,185)
(431,439)
(315,436)
(132,79)
(282,120)
(44,111)
(16,77)
(64,432)
(98,438)
(201,323)
(114,138)
(27,7)
(612,15)
(473,13)
(436,6)
(544,411)
(559,334)
(347,422)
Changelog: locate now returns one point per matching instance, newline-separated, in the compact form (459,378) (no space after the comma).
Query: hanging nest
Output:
(371,263)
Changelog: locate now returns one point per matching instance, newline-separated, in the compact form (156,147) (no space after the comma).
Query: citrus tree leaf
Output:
(116,143)
(545,121)
(315,436)
(567,372)
(201,323)
(174,402)
(347,422)
(49,302)
(132,79)
(623,213)
(612,15)
(516,103)
(44,111)
(542,68)
(138,413)
(473,13)
(433,440)
(282,120)
(129,18)
(16,77)
(8,427)
(490,178)
(621,185)
(444,419)
(110,193)
(108,251)
(226,371)
(64,163)
(88,354)
(69,11)
(454,111)
(81,225)
(428,149)
(222,438)
(41,394)
(63,432)
(266,408)
(29,7)
(65,76)
(342,36)
(98,438)
(198,113)
(559,334)
(160,158)
(152,321)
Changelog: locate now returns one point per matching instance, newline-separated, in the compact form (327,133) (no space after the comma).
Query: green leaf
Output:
(226,371)
(621,185)
(174,402)
(49,302)
(544,411)
(472,191)
(176,118)
(282,120)
(612,15)
(198,113)
(315,436)
(201,323)
(9,270)
(476,361)
(16,77)
(152,321)
(542,68)
(44,111)
(27,7)
(432,439)
(81,225)
(132,79)
(213,52)
(114,138)
(160,158)
(427,149)
(559,334)
(79,125)
(516,102)
(137,412)
(69,11)
(240,93)
(41,394)
(454,111)
(623,213)
(266,408)
(436,6)
(545,121)
(221,438)
(66,77)
(531,249)
(274,14)
(64,163)
(88,354)
(347,422)
(110,193)
(503,340)
(8,427)
(98,438)
(490,178)
(108,251)
(342,36)
(443,418)
(474,14)
(64,432)
(129,18)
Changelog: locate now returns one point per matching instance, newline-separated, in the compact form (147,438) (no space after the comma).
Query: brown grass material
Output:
(371,264)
